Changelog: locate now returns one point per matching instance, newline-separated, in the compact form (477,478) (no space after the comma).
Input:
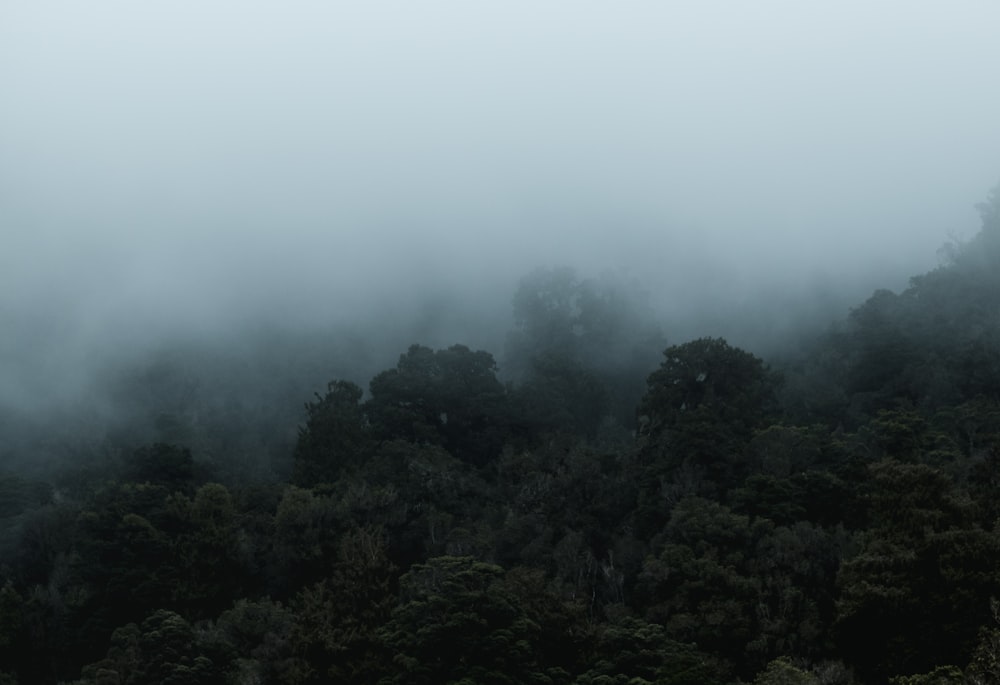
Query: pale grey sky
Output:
(188,160)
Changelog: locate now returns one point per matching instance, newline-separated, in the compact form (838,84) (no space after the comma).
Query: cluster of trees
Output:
(591,517)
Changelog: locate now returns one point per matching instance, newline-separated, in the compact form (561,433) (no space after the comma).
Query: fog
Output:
(185,170)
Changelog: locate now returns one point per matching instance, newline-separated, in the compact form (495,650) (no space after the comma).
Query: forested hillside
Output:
(609,509)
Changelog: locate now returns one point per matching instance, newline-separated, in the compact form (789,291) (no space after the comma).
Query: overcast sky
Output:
(185,161)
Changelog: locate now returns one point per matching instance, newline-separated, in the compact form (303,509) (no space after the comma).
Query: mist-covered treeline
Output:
(599,506)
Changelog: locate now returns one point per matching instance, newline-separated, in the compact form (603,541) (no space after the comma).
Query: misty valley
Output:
(589,503)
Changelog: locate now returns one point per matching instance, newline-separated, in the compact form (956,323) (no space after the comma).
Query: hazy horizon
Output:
(185,169)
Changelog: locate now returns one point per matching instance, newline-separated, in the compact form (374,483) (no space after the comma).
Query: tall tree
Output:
(336,436)
(696,421)
(446,397)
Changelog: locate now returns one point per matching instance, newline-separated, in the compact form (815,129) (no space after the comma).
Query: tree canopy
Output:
(593,515)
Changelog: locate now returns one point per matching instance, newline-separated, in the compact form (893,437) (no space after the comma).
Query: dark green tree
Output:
(699,585)
(254,640)
(336,620)
(162,649)
(630,651)
(336,437)
(782,671)
(446,397)
(458,622)
(205,558)
(696,421)
(914,595)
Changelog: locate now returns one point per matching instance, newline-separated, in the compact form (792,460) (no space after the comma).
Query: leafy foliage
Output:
(447,397)
(336,436)
(576,525)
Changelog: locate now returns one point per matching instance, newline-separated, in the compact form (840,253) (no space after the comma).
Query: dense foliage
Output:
(596,519)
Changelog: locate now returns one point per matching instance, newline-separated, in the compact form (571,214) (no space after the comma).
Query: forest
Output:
(605,509)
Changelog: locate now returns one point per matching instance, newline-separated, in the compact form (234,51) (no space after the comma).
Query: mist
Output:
(350,179)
